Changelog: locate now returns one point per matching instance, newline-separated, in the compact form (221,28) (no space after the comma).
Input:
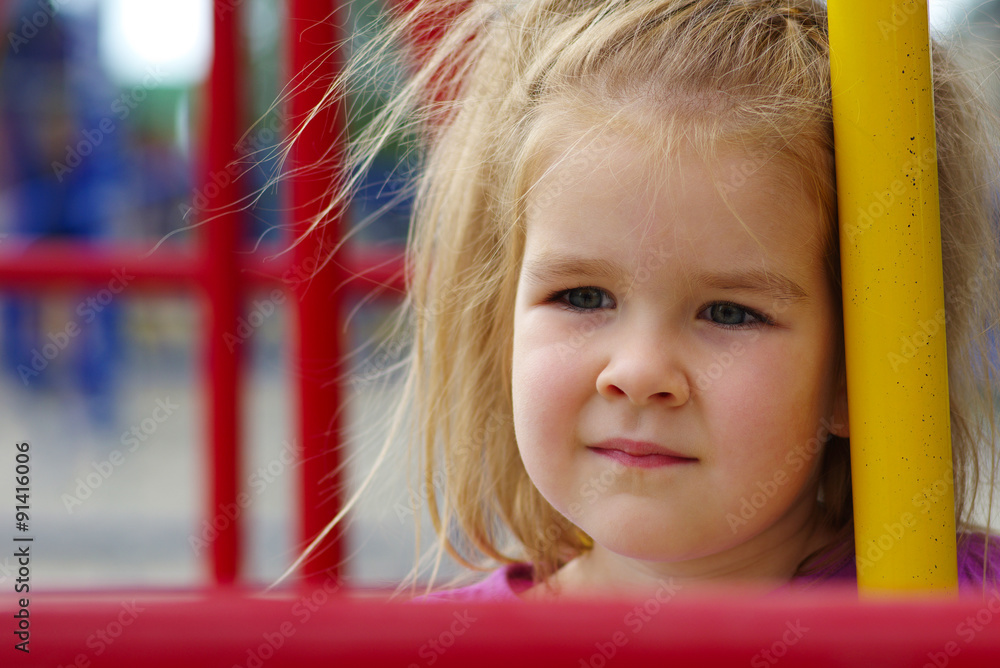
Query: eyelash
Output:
(561,297)
(759,319)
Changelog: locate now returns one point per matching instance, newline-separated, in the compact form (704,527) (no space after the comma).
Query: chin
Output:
(667,542)
(644,544)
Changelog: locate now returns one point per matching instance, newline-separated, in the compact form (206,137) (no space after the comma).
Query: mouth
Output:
(639,454)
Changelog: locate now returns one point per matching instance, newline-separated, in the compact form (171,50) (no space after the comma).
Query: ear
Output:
(840,422)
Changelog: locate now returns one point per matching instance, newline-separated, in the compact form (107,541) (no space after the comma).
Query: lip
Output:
(639,454)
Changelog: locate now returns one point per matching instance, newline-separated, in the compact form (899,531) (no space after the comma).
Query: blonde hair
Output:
(504,78)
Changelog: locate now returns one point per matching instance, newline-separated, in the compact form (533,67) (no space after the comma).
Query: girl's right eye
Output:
(584,299)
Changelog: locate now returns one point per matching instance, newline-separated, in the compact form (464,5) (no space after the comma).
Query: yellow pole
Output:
(890,237)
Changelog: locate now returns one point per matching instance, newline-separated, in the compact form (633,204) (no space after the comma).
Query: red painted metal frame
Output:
(313,627)
(217,266)
(313,31)
(224,291)
(46,264)
(53,264)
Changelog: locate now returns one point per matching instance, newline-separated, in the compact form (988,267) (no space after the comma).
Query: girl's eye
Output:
(585,299)
(728,314)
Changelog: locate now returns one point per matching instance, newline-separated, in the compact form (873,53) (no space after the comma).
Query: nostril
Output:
(614,389)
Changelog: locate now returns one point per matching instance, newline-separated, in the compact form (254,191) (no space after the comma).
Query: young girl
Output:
(625,295)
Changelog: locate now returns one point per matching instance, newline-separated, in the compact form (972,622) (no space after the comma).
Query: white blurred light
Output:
(942,13)
(156,42)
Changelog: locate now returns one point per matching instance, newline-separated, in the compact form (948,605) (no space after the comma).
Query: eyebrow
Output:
(552,267)
(771,283)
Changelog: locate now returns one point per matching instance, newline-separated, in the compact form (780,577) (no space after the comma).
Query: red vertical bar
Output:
(314,27)
(222,237)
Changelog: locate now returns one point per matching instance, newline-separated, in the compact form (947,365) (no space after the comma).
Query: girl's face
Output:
(674,362)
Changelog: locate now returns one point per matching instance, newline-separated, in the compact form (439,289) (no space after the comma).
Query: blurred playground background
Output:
(100,107)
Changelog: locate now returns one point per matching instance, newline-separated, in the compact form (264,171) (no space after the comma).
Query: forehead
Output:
(607,187)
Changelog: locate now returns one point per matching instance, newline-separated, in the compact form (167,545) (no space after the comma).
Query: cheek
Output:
(772,401)
(550,389)
(538,417)
(766,435)
(542,374)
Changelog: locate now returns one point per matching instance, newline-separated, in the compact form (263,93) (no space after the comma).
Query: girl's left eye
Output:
(584,299)
(728,314)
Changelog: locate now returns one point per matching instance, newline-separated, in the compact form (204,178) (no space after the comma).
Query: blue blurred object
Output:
(65,173)
(381,209)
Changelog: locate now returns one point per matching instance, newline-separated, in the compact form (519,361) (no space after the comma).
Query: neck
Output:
(767,561)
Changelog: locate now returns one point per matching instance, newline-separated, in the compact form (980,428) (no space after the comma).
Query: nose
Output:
(646,373)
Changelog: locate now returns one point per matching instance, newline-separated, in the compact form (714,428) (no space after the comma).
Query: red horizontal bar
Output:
(74,263)
(60,263)
(314,627)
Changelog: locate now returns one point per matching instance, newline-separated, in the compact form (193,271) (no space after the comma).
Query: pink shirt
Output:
(504,584)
